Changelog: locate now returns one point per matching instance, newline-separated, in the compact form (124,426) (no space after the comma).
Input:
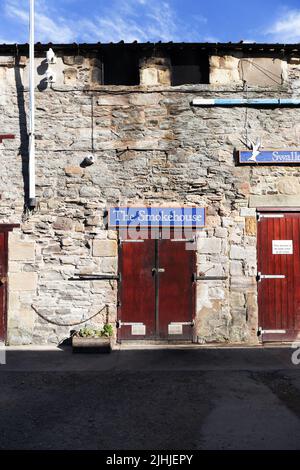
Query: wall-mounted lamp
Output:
(50,57)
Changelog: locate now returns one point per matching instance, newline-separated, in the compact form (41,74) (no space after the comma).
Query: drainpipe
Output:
(246,102)
(31,168)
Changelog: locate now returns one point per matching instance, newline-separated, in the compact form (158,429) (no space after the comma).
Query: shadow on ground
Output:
(150,399)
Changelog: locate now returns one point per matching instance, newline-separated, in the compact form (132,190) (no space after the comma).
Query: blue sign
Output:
(144,217)
(269,156)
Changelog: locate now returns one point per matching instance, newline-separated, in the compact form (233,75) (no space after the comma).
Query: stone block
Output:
(237,252)
(220,232)
(164,77)
(105,247)
(63,223)
(237,299)
(146,99)
(13,303)
(252,71)
(274,200)
(52,248)
(7,61)
(73,60)
(70,76)
(113,100)
(26,318)
(93,221)
(243,283)
(212,221)
(236,268)
(209,245)
(74,171)
(250,226)
(216,293)
(89,191)
(20,250)
(247,212)
(109,265)
(289,185)
(149,76)
(22,281)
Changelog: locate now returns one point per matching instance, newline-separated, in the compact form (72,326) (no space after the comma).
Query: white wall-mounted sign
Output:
(175,329)
(282,247)
(138,329)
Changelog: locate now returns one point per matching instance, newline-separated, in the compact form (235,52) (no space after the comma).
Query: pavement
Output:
(175,398)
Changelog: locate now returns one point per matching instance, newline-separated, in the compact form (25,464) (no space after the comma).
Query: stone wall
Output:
(151,146)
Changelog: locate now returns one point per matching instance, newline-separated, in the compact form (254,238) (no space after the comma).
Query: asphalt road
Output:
(153,399)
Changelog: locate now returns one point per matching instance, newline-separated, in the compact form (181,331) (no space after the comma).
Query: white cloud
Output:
(286,29)
(46,28)
(128,20)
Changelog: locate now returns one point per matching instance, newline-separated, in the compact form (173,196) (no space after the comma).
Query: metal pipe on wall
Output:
(246,102)
(31,166)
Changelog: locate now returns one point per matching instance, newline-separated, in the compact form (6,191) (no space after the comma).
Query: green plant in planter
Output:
(87,332)
(107,330)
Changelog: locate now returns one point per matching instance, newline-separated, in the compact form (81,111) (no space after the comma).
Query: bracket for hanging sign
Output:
(6,136)
(96,277)
(209,278)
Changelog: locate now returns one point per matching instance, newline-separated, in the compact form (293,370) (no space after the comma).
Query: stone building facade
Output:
(151,146)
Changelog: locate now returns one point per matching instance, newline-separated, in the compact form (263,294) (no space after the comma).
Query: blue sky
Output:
(152,20)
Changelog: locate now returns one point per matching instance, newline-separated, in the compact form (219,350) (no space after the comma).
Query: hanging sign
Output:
(276,157)
(193,217)
(282,247)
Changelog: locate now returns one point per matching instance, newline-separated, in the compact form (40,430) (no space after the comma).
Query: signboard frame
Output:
(267,157)
(127,224)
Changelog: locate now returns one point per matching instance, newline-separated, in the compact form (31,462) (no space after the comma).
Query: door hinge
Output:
(261,276)
(186,240)
(279,332)
(183,323)
(3,280)
(260,216)
(129,240)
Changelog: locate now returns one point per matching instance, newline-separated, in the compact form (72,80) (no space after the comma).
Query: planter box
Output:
(91,345)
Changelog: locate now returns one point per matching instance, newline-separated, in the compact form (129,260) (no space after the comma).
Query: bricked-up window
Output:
(189,66)
(121,67)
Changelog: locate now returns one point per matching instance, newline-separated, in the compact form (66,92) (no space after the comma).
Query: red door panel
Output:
(156,289)
(176,289)
(136,289)
(279,298)
(3,273)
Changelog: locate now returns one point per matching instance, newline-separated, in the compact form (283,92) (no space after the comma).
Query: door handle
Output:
(158,270)
(3,280)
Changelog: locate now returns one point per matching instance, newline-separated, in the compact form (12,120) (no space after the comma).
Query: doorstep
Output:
(144,344)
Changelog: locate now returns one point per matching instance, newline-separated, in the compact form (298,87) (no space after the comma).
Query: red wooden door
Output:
(136,303)
(3,274)
(156,289)
(278,241)
(176,289)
